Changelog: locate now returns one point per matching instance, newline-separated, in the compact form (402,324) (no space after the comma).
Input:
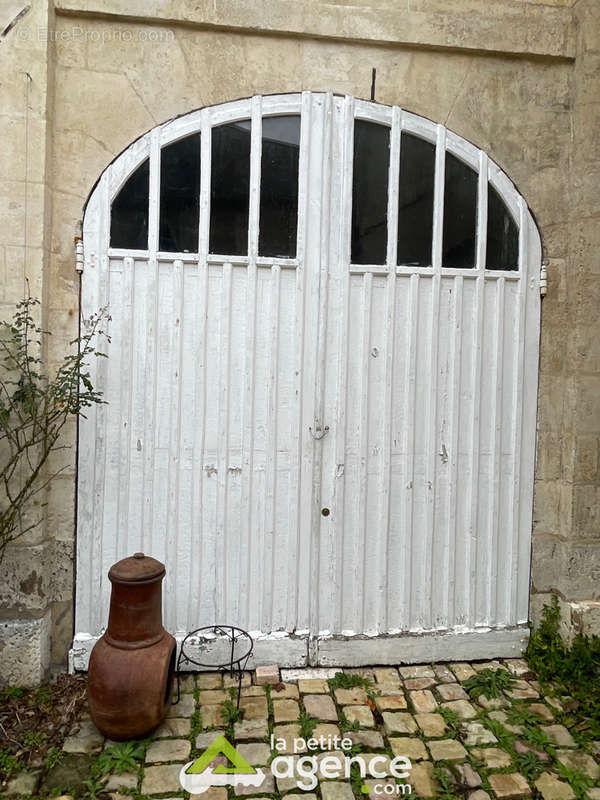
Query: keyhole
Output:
(325,512)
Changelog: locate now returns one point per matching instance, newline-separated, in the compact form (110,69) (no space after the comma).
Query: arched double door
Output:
(321,383)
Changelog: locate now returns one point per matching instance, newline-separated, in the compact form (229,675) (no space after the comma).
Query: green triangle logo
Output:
(221,746)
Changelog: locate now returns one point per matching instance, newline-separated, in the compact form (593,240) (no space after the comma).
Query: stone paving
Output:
(460,742)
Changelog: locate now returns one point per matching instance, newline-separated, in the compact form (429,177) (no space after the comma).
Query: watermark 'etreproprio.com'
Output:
(78,33)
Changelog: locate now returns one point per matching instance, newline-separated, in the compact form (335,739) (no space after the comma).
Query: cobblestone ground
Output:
(460,742)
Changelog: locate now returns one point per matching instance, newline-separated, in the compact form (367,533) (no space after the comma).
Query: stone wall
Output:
(517,78)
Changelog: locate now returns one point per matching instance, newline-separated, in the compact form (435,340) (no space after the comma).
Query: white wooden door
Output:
(337,457)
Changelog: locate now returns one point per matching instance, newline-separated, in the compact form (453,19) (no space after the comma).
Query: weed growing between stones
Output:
(490,683)
(575,670)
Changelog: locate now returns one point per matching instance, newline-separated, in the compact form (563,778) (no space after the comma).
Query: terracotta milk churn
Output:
(131,669)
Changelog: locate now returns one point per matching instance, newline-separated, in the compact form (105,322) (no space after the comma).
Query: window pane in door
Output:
(230,189)
(179,195)
(370,192)
(129,211)
(415,201)
(460,214)
(279,186)
(502,250)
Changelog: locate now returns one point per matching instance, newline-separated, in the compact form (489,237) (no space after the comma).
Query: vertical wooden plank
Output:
(272,461)
(362,540)
(298,556)
(454,538)
(526,367)
(495,551)
(125,402)
(384,522)
(197,320)
(223,588)
(438,198)
(98,583)
(482,210)
(408,436)
(343,578)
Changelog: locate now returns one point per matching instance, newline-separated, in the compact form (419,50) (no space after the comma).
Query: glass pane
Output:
(460,214)
(179,195)
(502,234)
(279,186)
(230,188)
(129,212)
(415,211)
(370,192)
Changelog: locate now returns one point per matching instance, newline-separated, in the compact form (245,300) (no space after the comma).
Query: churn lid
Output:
(137,567)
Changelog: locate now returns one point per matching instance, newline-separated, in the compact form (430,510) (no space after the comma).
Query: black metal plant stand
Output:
(235,665)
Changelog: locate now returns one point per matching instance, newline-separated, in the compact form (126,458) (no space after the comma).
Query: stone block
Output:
(551,788)
(417,672)
(509,785)
(84,737)
(313,686)
(350,697)
(452,691)
(267,674)
(209,680)
(168,750)
(474,733)
(173,727)
(184,708)
(432,725)
(422,780)
(286,710)
(391,702)
(409,747)
(580,761)
(559,735)
(320,706)
(211,716)
(387,675)
(446,750)
(492,757)
(370,739)
(462,670)
(336,790)
(161,780)
(211,697)
(423,702)
(204,740)
(398,722)
(256,753)
(463,708)
(326,730)
(127,780)
(287,734)
(251,730)
(285,691)
(360,714)
(254,707)
(266,787)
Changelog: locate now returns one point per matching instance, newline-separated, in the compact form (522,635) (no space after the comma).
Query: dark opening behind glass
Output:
(502,234)
(129,212)
(415,202)
(460,214)
(370,192)
(180,195)
(279,186)
(230,189)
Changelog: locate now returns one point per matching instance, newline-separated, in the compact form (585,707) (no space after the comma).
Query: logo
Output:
(197,776)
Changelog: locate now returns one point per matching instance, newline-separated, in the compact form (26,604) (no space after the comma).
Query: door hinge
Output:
(543,280)
(79,254)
